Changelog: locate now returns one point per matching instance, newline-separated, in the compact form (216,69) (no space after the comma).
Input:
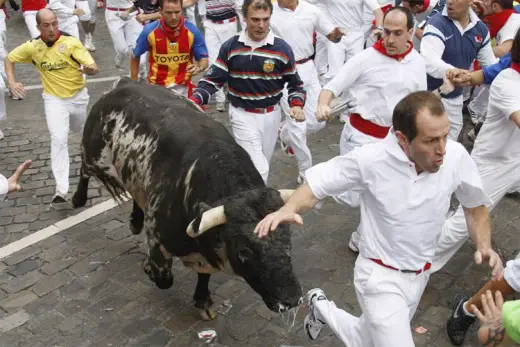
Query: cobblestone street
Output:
(84,286)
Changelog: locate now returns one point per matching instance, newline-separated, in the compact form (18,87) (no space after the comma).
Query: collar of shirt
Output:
(393,147)
(473,20)
(244,38)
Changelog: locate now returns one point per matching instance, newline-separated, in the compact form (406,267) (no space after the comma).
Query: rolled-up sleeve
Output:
(4,187)
(470,191)
(432,49)
(337,176)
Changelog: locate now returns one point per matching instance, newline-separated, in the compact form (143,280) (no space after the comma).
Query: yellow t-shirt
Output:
(58,65)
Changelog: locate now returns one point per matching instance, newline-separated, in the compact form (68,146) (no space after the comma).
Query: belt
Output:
(260,110)
(230,20)
(303,61)
(426,267)
(116,9)
(367,127)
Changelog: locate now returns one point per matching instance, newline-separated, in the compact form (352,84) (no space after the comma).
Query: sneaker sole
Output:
(305,324)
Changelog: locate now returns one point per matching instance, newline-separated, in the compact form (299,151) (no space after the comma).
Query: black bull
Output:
(196,192)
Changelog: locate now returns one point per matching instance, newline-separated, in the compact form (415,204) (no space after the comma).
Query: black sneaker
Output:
(459,322)
(58,199)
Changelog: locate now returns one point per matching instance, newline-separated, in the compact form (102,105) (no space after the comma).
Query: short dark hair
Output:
(406,12)
(161,2)
(505,4)
(406,111)
(515,49)
(257,5)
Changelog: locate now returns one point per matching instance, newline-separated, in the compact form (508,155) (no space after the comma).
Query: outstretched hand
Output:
(273,220)
(14,180)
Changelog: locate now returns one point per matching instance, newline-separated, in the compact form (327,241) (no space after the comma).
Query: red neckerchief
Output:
(173,34)
(51,43)
(516,67)
(496,21)
(380,47)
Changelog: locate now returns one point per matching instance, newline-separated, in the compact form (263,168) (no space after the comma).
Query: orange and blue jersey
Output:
(168,60)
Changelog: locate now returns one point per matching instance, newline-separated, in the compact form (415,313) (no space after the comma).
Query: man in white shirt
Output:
(12,184)
(405,183)
(375,80)
(295,22)
(497,154)
(69,13)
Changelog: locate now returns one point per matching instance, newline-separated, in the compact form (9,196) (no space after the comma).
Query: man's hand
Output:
(494,261)
(336,34)
(78,12)
(141,18)
(89,70)
(296,113)
(17,89)
(377,33)
(13,181)
(491,331)
(271,222)
(194,69)
(458,77)
(323,113)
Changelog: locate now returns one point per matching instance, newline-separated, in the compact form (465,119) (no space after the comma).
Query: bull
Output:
(196,193)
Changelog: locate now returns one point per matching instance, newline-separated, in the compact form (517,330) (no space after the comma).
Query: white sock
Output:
(466,311)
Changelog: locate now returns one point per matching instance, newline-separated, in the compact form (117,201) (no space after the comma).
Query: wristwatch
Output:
(441,93)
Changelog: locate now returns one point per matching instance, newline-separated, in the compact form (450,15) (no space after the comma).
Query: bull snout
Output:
(163,277)
(285,306)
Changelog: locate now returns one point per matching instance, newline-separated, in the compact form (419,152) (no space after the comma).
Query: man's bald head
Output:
(45,14)
(47,24)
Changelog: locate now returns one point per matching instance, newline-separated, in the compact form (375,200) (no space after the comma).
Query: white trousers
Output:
(512,273)
(92,6)
(190,14)
(30,21)
(339,53)
(62,114)
(479,104)
(388,299)
(321,61)
(454,109)
(295,133)
(124,33)
(497,179)
(257,134)
(215,36)
(70,26)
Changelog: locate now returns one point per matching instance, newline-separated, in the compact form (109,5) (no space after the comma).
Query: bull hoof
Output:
(136,227)
(208,314)
(79,200)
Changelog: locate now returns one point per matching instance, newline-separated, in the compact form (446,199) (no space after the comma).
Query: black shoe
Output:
(459,322)
(57,199)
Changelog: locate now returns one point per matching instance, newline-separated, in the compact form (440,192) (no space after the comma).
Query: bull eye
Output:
(244,254)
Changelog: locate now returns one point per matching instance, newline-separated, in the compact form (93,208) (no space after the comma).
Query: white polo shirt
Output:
(377,82)
(508,31)
(499,137)
(297,27)
(402,213)
(349,14)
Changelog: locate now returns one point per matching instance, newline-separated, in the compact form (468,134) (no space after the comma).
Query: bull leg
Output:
(202,297)
(79,199)
(136,220)
(158,263)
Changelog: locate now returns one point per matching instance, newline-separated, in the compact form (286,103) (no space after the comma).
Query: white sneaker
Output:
(58,198)
(89,43)
(301,179)
(1,135)
(353,243)
(343,118)
(221,106)
(117,60)
(311,324)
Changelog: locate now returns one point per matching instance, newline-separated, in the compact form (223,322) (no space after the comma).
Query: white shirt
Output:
(124,4)
(297,27)
(508,31)
(377,82)
(499,138)
(64,9)
(348,14)
(402,213)
(432,47)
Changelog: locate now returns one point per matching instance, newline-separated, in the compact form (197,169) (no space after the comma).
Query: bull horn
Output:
(286,194)
(210,219)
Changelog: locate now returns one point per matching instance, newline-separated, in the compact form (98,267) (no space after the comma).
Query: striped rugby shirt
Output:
(255,77)
(220,9)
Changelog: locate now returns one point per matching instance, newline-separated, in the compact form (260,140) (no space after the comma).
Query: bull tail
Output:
(114,187)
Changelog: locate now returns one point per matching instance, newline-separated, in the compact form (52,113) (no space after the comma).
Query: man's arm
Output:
(216,76)
(474,202)
(12,184)
(188,3)
(344,80)
(83,56)
(325,27)
(59,8)
(515,118)
(296,94)
(21,54)
(432,49)
(503,48)
(200,52)
(141,47)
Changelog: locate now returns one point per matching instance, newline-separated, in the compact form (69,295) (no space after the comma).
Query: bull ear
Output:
(211,218)
(286,194)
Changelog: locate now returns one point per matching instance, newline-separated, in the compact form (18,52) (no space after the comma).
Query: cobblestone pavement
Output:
(85,287)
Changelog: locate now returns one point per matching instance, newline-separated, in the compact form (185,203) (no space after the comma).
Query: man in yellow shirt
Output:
(62,61)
